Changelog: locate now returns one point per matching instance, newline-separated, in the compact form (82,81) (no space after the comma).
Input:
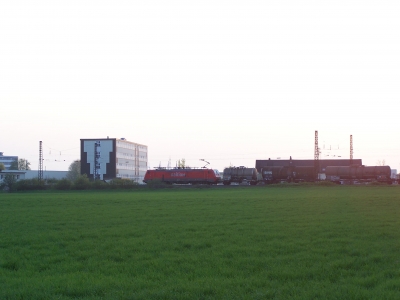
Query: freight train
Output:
(338,174)
(183,176)
(270,175)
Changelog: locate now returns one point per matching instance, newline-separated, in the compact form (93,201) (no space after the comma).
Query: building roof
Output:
(115,139)
(16,172)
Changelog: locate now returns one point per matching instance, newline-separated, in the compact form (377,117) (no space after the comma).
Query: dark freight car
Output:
(322,163)
(276,174)
(360,173)
(239,175)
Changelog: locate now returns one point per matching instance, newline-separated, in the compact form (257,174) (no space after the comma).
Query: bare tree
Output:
(381,162)
(8,183)
(21,164)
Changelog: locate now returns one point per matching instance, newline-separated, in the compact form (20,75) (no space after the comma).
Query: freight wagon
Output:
(239,175)
(296,174)
(359,173)
(183,176)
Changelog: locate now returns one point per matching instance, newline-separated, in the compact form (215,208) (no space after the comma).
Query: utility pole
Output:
(351,149)
(316,155)
(40,171)
(351,159)
(137,163)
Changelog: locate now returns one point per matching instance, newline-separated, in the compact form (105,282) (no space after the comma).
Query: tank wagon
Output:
(183,176)
(239,175)
(359,173)
(296,174)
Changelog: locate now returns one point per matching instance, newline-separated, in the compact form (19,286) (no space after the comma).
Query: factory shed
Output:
(323,163)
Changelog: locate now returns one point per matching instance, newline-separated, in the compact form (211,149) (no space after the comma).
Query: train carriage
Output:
(239,175)
(183,176)
(276,174)
(359,173)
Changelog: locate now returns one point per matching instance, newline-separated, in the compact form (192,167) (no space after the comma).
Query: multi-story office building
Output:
(7,160)
(110,158)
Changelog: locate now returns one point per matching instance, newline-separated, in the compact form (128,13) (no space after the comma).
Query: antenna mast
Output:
(40,171)
(96,165)
(316,155)
(351,149)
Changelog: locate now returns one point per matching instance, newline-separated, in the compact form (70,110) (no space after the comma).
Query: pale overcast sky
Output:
(226,81)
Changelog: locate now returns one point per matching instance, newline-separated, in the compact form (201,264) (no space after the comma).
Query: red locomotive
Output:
(184,176)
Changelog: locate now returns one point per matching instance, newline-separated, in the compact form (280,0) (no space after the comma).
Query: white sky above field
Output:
(225,81)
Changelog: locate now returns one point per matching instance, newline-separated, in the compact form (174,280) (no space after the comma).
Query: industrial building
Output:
(31,174)
(15,173)
(7,160)
(109,158)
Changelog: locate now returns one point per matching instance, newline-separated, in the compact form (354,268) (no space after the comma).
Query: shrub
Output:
(119,183)
(325,183)
(202,186)
(378,183)
(82,183)
(157,184)
(282,185)
(63,184)
(9,183)
(30,185)
(51,180)
(100,185)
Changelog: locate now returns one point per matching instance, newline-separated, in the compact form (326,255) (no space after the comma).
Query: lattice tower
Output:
(40,171)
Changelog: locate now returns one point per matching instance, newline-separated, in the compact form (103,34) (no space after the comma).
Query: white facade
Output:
(131,160)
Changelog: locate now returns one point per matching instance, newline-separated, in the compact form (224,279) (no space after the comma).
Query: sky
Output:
(225,81)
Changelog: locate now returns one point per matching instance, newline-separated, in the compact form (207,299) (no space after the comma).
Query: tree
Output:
(9,182)
(21,164)
(74,170)
(2,167)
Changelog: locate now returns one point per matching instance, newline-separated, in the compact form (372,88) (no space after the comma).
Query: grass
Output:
(340,242)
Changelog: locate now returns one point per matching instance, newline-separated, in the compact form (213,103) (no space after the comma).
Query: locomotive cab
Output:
(217,174)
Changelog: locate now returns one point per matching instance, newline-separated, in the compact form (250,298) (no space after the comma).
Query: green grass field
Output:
(340,242)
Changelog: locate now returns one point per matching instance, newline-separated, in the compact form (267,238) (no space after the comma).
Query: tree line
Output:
(11,184)
(73,181)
